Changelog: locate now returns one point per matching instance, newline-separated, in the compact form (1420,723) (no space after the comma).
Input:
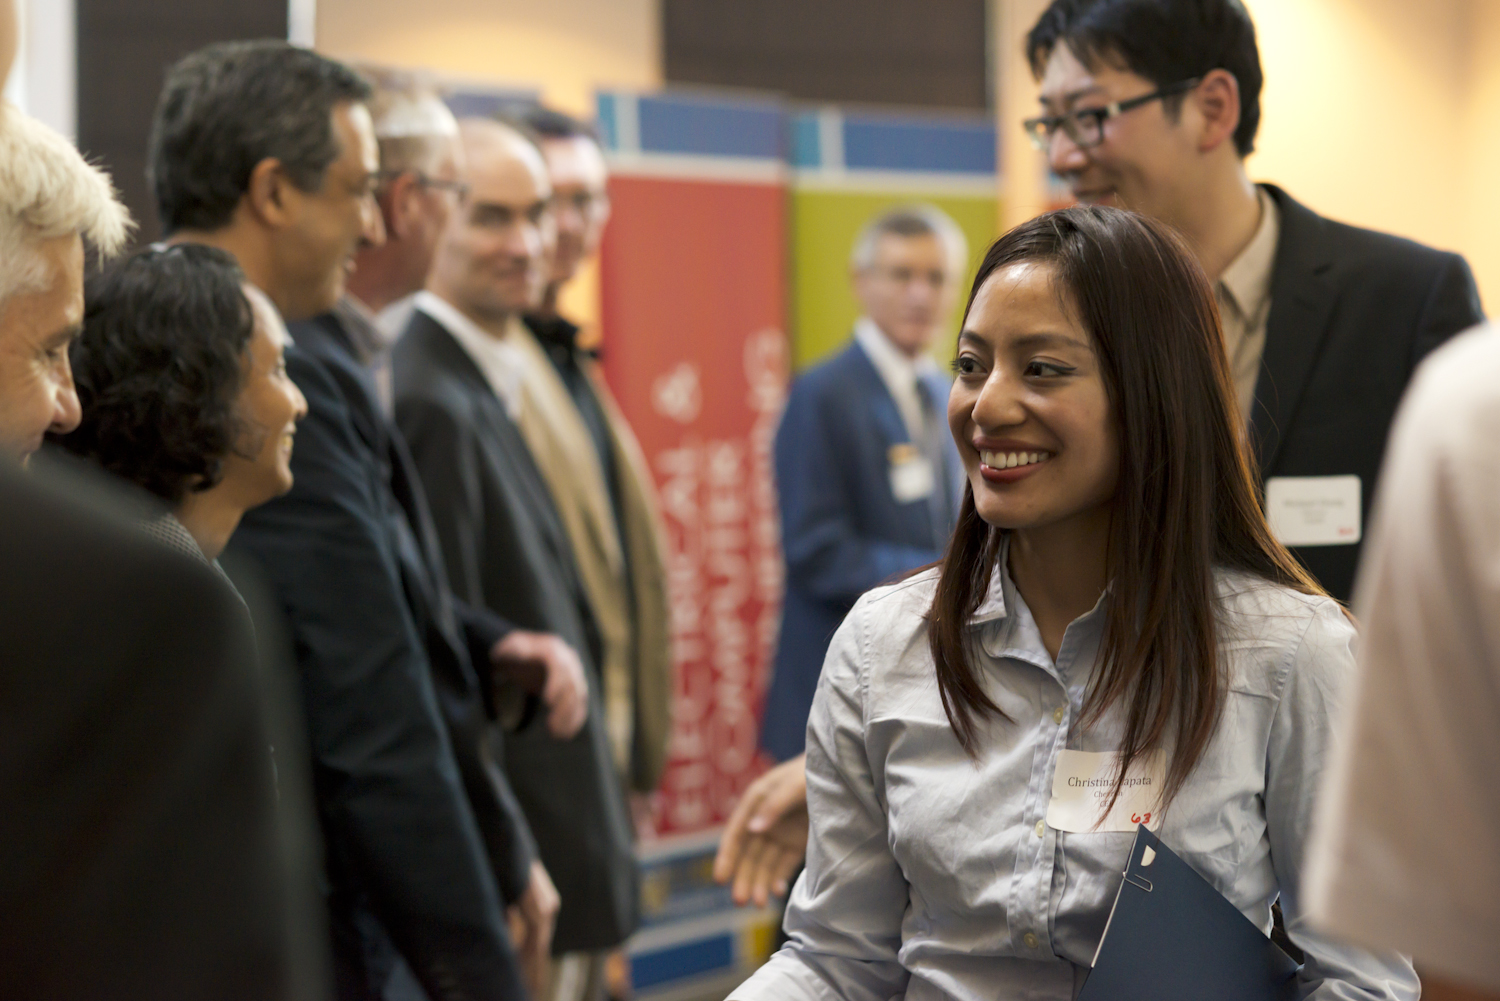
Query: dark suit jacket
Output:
(139,852)
(842,529)
(1352,312)
(506,549)
(417,817)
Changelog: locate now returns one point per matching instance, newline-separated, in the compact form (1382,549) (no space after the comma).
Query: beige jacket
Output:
(637,666)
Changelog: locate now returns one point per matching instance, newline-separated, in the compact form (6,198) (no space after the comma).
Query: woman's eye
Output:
(964,365)
(1045,369)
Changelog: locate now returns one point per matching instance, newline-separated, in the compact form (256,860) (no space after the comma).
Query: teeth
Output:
(1009,460)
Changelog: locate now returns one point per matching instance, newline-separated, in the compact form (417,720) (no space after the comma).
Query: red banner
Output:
(693,300)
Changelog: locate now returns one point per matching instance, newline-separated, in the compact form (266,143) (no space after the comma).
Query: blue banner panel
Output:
(681,961)
(710,127)
(888,143)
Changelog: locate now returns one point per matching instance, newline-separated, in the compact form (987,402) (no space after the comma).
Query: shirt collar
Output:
(1247,280)
(993,607)
(1003,600)
(502,363)
(356,318)
(892,364)
(1006,628)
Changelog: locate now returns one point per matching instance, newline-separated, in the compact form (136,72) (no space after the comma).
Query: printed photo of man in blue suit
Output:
(868,477)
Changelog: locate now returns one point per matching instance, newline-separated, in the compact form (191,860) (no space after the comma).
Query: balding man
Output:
(462,402)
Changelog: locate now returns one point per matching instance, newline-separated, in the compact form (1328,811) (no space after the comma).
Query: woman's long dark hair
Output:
(1186,500)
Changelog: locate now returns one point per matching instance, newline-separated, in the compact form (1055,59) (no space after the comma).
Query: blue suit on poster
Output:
(839,452)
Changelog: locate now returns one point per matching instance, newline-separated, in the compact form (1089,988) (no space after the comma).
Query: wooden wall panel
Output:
(912,52)
(124,49)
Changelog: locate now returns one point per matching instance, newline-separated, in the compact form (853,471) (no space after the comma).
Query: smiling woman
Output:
(1112,614)
(1091,335)
(183,389)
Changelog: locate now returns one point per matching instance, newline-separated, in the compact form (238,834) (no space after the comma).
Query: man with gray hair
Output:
(866,474)
(50,202)
(868,481)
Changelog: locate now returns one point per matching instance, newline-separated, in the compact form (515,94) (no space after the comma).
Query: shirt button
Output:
(1041,828)
(1057,714)
(1030,940)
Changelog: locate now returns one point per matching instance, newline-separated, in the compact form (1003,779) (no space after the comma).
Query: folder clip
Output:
(1140,881)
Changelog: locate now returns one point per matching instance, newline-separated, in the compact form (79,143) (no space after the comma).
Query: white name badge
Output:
(1314,510)
(911,474)
(1084,781)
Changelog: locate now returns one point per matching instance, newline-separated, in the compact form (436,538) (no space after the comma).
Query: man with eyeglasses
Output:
(866,472)
(868,482)
(1153,105)
(617,537)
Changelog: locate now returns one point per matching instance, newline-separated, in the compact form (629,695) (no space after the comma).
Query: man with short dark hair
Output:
(268,151)
(1153,105)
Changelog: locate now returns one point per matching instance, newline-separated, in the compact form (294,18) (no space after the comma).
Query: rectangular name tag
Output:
(1314,510)
(911,473)
(1084,781)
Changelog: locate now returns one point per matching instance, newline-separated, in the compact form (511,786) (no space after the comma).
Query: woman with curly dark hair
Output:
(184,391)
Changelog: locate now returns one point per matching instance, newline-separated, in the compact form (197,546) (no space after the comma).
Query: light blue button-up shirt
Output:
(934,875)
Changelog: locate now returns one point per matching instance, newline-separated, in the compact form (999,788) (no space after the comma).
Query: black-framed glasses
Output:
(1086,125)
(459,188)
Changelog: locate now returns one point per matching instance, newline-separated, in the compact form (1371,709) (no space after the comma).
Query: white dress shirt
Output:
(1407,851)
(899,373)
(502,363)
(933,875)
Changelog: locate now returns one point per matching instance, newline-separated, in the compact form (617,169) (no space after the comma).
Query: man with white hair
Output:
(140,854)
(50,201)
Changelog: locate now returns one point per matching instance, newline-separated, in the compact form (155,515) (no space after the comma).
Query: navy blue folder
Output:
(1172,937)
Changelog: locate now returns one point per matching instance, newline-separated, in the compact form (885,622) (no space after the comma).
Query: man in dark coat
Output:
(1153,105)
(268,151)
(459,402)
(867,476)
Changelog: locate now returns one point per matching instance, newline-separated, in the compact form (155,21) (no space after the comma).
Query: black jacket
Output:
(506,549)
(420,826)
(1352,313)
(139,852)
